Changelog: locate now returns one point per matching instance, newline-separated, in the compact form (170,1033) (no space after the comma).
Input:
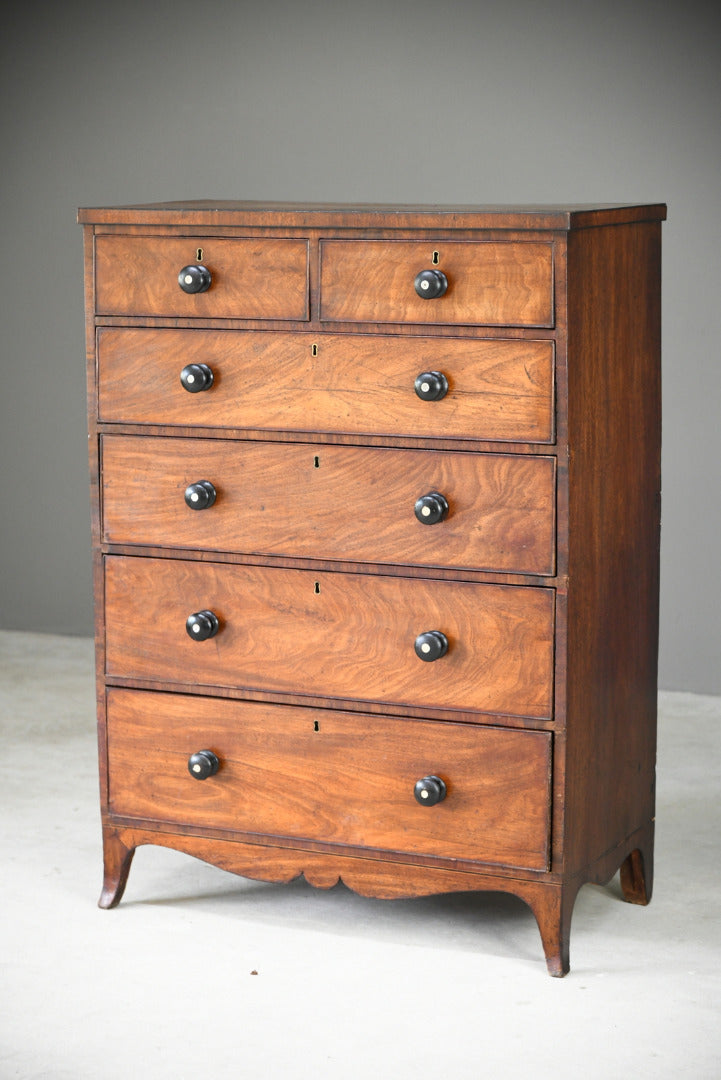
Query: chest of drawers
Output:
(376,504)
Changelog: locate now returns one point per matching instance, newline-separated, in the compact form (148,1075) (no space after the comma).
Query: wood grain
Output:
(363,385)
(251,278)
(233,214)
(353,637)
(350,782)
(349,502)
(386,876)
(614,416)
(549,336)
(488,283)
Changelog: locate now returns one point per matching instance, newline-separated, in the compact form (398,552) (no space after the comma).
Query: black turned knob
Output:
(196,377)
(202,625)
(200,496)
(430,790)
(194,279)
(432,645)
(431,385)
(203,764)
(430,283)
(431,508)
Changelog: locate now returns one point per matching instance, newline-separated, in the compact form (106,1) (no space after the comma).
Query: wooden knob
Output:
(430,790)
(431,385)
(194,279)
(201,495)
(430,284)
(431,646)
(431,508)
(202,625)
(203,764)
(196,377)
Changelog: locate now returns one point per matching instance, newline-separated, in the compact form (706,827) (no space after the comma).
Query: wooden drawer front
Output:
(347,636)
(357,385)
(332,502)
(349,782)
(251,279)
(491,284)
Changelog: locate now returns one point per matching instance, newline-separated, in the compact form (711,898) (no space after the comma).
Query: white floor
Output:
(165,986)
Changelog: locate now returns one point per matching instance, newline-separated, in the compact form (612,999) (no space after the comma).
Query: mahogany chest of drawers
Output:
(376,498)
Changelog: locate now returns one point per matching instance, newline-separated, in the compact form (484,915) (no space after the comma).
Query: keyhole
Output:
(316,462)
(436,258)
(199,255)
(314,350)
(316,588)
(316,726)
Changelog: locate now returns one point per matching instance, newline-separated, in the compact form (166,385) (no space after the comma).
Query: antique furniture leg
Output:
(637,874)
(116,859)
(553,908)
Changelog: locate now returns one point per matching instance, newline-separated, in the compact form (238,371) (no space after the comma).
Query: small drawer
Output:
(486,283)
(334,635)
(408,507)
(337,383)
(254,278)
(331,777)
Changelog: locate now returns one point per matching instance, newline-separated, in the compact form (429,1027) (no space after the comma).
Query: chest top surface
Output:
(365,215)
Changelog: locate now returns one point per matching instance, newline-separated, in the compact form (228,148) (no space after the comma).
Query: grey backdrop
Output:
(400,101)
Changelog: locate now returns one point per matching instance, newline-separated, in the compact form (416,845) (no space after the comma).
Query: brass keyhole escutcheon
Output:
(435,258)
(199,254)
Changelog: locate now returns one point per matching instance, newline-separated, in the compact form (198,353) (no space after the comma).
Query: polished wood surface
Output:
(251,278)
(339,383)
(235,213)
(614,418)
(387,877)
(338,635)
(349,502)
(544,576)
(332,777)
(488,283)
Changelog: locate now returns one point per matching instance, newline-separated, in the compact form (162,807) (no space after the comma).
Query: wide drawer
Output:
(337,383)
(349,636)
(489,283)
(254,278)
(332,777)
(332,502)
